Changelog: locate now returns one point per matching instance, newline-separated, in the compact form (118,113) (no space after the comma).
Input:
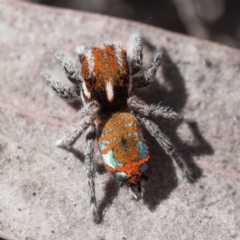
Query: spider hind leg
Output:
(167,146)
(136,191)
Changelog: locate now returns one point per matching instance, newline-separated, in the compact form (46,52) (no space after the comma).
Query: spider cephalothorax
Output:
(105,75)
(111,113)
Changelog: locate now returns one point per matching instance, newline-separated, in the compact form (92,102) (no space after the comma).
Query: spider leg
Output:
(149,74)
(152,110)
(165,143)
(69,66)
(67,93)
(90,168)
(135,46)
(86,116)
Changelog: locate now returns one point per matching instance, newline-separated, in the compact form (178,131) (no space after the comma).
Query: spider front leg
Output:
(72,72)
(134,51)
(149,74)
(86,116)
(165,143)
(90,168)
(69,66)
(152,110)
(67,93)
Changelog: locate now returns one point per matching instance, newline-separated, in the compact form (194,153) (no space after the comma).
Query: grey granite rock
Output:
(44,193)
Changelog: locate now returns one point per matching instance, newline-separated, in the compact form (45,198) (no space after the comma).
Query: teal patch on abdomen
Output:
(121,175)
(110,160)
(143,150)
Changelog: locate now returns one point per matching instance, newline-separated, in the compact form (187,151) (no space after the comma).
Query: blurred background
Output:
(215,20)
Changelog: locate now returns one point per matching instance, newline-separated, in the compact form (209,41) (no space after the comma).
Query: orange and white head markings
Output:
(105,74)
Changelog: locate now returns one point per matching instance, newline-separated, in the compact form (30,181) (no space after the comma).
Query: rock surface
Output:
(44,193)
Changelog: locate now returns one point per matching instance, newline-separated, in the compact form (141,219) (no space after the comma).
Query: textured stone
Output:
(44,193)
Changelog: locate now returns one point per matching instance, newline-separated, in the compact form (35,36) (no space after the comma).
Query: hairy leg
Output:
(67,93)
(149,74)
(134,51)
(90,168)
(165,143)
(152,110)
(69,66)
(136,191)
(86,116)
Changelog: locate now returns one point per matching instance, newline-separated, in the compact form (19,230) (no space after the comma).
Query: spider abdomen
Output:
(123,147)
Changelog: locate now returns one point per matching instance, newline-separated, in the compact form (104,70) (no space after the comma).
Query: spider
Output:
(111,113)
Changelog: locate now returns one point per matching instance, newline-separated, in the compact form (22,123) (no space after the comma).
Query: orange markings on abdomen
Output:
(122,135)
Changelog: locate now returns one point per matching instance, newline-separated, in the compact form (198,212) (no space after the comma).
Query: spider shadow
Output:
(111,188)
(162,174)
(111,191)
(100,168)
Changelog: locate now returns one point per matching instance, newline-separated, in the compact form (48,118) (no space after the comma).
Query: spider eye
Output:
(87,79)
